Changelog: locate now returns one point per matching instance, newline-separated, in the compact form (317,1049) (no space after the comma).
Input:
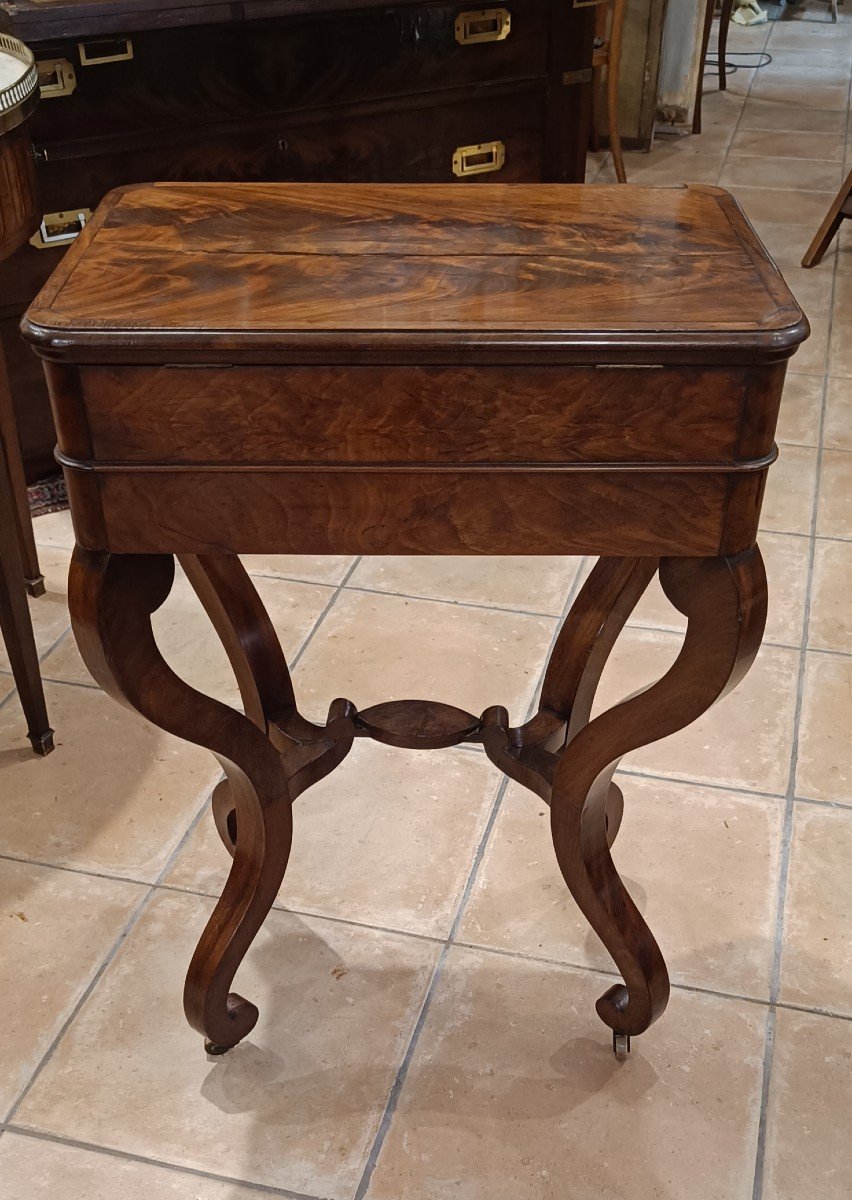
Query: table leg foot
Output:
(724,601)
(111,598)
(42,743)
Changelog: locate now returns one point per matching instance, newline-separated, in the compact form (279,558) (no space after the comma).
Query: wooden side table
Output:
(417,370)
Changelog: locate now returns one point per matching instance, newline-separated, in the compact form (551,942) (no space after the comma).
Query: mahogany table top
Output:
(278,272)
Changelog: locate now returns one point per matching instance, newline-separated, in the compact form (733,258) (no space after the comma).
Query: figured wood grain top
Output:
(247,271)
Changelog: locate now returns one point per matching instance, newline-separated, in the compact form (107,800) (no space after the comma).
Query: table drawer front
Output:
(413,414)
(194,76)
(405,512)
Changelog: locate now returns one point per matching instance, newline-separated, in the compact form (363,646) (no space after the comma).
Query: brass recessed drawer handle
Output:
(486,25)
(477,160)
(104,50)
(56,77)
(60,228)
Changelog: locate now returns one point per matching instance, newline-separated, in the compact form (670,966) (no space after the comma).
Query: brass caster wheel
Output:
(620,1045)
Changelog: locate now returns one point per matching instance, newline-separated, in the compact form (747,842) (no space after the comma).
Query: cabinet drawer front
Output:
(443,415)
(403,145)
(194,76)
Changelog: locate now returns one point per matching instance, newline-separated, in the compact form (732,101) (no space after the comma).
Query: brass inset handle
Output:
(60,228)
(486,25)
(56,77)
(477,160)
(104,50)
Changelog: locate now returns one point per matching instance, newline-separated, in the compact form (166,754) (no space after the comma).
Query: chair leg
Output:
(595,132)
(16,627)
(613,75)
(724,25)
(833,220)
(10,460)
(705,44)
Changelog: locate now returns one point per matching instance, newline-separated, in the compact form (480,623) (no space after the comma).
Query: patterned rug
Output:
(47,496)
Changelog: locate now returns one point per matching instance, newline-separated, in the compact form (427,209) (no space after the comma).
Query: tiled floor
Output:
(426,984)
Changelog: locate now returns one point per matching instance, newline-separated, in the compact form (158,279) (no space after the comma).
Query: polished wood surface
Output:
(548,370)
(273,267)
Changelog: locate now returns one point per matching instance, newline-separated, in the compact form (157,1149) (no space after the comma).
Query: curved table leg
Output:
(724,601)
(111,598)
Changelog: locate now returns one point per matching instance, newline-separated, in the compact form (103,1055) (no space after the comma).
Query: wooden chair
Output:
(840,210)
(727,7)
(609,37)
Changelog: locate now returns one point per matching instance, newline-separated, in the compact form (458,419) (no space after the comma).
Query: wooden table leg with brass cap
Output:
(422,402)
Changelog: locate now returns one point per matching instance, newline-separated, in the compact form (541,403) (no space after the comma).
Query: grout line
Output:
(129,924)
(399,1081)
(295,661)
(128,1156)
(677,985)
(350,922)
(402,1073)
(789,811)
(374,591)
(518,612)
(53,866)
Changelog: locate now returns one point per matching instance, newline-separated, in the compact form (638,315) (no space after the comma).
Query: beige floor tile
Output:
(387,839)
(743,741)
(774,203)
(807,1134)
(7,686)
(831,611)
(519,582)
(514,1094)
(190,645)
(49,612)
(768,142)
(843,285)
(54,529)
(701,864)
(115,796)
(801,404)
(776,115)
(788,502)
(840,351)
(837,433)
(34,1169)
(812,287)
(313,568)
(817,95)
(669,166)
(786,559)
(824,770)
(812,357)
(834,511)
(56,928)
(811,176)
(816,963)
(372,648)
(294,1106)
(787,241)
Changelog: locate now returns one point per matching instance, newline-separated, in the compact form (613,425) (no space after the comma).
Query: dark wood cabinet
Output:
(302,90)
